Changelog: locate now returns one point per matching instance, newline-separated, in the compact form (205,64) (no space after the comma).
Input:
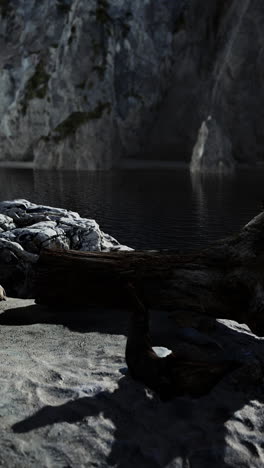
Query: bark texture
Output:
(223,281)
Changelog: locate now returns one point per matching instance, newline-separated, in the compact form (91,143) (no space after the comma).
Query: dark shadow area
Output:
(79,319)
(86,319)
(163,330)
(151,433)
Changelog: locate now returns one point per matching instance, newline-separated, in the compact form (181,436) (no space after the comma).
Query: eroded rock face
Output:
(27,228)
(85,83)
(213,151)
(80,81)
(218,72)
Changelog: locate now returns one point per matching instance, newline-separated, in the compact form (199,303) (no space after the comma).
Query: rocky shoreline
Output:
(27,228)
(66,396)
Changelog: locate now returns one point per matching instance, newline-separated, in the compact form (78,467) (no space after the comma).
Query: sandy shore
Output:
(67,401)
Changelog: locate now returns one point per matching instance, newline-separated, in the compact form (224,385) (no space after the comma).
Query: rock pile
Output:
(27,228)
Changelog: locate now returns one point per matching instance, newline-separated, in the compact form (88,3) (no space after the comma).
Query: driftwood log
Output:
(223,281)
(178,373)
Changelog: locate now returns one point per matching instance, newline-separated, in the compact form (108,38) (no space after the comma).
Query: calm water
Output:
(147,208)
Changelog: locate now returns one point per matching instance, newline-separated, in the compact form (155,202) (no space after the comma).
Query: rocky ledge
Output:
(83,84)
(26,229)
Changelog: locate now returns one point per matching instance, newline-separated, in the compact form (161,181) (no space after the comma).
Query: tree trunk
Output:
(223,281)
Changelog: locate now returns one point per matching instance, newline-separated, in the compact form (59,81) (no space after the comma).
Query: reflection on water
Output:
(215,205)
(146,208)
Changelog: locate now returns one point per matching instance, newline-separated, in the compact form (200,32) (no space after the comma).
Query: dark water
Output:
(147,208)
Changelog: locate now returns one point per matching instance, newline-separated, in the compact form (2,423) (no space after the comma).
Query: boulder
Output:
(212,152)
(26,229)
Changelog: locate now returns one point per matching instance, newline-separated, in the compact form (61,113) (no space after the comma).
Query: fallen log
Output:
(175,374)
(223,281)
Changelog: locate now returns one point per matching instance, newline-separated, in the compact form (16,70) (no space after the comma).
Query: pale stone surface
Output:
(212,152)
(80,81)
(2,294)
(67,399)
(42,226)
(6,223)
(27,228)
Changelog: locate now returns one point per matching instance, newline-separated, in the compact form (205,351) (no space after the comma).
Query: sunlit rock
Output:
(6,223)
(26,229)
(213,150)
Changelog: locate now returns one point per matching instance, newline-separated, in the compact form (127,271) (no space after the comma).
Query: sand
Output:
(66,399)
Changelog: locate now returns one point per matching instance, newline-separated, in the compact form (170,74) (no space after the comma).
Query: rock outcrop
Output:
(83,84)
(80,81)
(26,229)
(218,72)
(212,152)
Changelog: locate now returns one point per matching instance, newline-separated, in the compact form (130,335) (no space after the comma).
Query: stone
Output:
(218,71)
(81,81)
(212,152)
(84,84)
(27,228)
(6,223)
(2,294)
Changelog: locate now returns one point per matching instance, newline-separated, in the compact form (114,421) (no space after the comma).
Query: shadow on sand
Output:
(79,319)
(149,433)
(184,432)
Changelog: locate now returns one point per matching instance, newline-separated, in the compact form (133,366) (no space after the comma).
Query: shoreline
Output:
(17,164)
(125,164)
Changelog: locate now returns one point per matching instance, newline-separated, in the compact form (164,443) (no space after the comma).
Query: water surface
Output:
(161,208)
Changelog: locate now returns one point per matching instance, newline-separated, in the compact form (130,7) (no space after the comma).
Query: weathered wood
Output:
(224,281)
(88,278)
(173,375)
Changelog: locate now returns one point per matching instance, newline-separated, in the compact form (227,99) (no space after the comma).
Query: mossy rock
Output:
(81,85)
(97,47)
(85,84)
(100,70)
(180,24)
(5,8)
(76,119)
(136,96)
(73,34)
(36,86)
(101,12)
(63,6)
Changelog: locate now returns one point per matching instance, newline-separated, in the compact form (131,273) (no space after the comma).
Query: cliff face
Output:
(85,83)
(214,109)
(80,80)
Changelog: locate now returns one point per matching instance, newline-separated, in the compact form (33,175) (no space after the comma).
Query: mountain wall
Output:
(83,84)
(81,80)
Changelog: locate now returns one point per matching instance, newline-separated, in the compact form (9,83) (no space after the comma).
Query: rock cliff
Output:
(80,81)
(85,83)
(216,99)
